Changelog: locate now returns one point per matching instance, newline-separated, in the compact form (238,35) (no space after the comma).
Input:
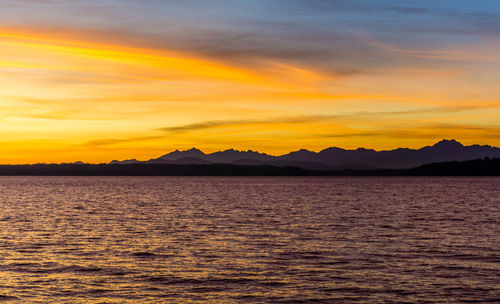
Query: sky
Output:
(94,81)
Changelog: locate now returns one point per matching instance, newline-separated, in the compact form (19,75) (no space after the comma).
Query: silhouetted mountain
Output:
(337,158)
(195,153)
(124,162)
(284,163)
(231,155)
(227,156)
(179,161)
(303,165)
(301,155)
(445,150)
(478,167)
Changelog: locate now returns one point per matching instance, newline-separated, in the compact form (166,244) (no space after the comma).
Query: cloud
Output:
(233,123)
(318,35)
(208,125)
(426,131)
(449,54)
(308,120)
(111,141)
(311,118)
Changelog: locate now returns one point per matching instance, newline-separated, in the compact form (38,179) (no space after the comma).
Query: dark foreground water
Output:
(249,240)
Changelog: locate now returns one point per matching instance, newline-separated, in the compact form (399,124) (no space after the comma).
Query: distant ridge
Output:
(333,158)
(477,167)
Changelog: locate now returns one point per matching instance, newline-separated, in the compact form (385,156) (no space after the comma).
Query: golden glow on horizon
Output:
(69,99)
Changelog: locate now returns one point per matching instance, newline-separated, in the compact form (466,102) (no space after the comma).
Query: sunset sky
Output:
(117,79)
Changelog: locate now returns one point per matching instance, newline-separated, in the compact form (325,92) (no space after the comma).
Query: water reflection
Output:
(248,240)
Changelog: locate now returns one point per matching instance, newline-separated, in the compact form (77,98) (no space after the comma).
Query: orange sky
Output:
(68,95)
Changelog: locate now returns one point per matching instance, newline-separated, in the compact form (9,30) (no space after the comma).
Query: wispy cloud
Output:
(307,120)
(454,55)
(425,131)
(232,123)
(126,75)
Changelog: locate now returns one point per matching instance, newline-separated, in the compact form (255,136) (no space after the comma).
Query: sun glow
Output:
(69,98)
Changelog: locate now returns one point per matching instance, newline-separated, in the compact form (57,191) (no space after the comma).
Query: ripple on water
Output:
(249,240)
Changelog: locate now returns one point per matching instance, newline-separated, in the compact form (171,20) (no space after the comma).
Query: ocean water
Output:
(249,240)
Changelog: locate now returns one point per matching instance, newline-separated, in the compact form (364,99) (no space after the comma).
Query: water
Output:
(249,240)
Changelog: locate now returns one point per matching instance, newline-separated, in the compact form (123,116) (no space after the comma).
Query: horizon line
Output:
(250,150)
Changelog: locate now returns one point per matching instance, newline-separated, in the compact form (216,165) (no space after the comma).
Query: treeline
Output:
(479,167)
(149,170)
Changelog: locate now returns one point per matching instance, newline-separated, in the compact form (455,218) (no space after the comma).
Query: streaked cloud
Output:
(101,80)
(325,122)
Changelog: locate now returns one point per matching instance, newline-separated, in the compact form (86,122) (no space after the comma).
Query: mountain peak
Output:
(448,143)
(334,157)
(193,152)
(302,151)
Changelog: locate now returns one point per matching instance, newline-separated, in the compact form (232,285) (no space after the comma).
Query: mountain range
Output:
(332,158)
